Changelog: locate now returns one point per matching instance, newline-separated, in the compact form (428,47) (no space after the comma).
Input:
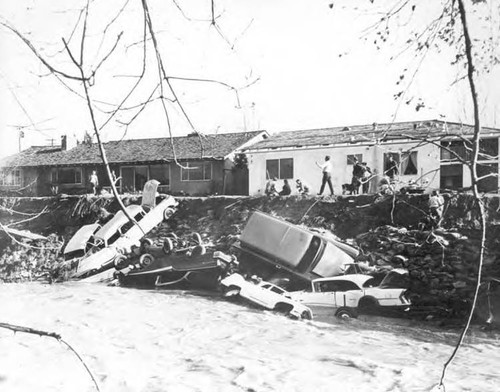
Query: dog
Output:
(349,188)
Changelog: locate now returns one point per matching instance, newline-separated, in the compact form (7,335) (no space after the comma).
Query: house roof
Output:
(215,147)
(367,134)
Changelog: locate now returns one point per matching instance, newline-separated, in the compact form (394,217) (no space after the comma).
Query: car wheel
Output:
(368,305)
(146,243)
(231,291)
(167,214)
(146,259)
(306,315)
(168,246)
(198,250)
(120,262)
(345,313)
(196,238)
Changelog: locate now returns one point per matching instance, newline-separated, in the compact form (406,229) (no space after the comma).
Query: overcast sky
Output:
(309,65)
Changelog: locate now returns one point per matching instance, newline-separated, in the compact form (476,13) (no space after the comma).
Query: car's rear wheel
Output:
(345,313)
(146,260)
(368,305)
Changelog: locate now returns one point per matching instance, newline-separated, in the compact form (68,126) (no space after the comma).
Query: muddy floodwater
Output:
(151,341)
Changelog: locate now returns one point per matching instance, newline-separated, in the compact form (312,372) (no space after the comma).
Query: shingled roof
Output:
(215,147)
(368,134)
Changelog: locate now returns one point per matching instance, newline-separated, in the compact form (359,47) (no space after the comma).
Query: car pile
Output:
(277,256)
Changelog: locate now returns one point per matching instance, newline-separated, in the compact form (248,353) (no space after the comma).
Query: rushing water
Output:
(151,341)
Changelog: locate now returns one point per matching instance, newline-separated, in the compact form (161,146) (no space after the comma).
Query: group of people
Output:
(271,190)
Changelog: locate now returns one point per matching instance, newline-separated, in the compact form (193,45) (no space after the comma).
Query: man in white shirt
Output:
(327,169)
(436,207)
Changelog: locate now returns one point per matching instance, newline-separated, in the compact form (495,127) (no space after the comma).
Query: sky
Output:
(296,64)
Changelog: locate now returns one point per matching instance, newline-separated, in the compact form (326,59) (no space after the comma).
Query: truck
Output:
(302,253)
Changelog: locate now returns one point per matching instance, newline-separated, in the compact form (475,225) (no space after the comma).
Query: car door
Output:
(347,293)
(322,296)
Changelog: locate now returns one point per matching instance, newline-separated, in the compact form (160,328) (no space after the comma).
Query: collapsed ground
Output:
(389,231)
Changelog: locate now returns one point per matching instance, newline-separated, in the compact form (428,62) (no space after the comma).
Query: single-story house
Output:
(191,165)
(426,153)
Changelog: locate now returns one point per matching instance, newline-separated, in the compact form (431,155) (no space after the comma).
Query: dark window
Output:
(160,173)
(279,168)
(451,176)
(133,178)
(69,175)
(490,183)
(453,150)
(409,163)
(350,158)
(196,171)
(488,149)
(394,156)
(277,290)
(337,285)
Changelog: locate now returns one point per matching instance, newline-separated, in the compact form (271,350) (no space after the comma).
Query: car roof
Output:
(359,279)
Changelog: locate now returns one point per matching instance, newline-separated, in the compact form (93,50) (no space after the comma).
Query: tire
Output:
(196,238)
(146,260)
(345,313)
(306,315)
(231,291)
(120,262)
(167,214)
(168,246)
(173,236)
(198,250)
(368,305)
(146,243)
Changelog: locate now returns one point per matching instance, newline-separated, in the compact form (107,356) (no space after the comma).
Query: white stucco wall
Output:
(304,166)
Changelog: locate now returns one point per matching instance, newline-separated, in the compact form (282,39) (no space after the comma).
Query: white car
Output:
(346,294)
(78,245)
(266,295)
(119,235)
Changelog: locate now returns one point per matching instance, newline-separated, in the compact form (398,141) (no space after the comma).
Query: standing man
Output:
(392,169)
(94,182)
(436,207)
(327,169)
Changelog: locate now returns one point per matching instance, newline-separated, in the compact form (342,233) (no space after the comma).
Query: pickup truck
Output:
(302,253)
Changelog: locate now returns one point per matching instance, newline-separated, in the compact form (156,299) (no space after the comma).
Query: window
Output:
(451,176)
(66,175)
(335,285)
(279,168)
(198,171)
(350,158)
(409,163)
(11,177)
(133,178)
(160,173)
(406,162)
(488,149)
(452,150)
(488,184)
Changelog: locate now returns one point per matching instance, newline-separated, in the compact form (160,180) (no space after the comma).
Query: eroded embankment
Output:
(442,263)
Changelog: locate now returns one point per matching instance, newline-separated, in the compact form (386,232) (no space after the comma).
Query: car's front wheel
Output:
(168,213)
(345,313)
(231,291)
(306,315)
